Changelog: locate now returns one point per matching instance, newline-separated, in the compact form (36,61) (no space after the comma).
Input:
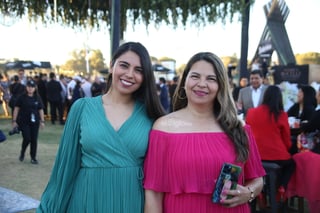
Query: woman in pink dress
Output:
(189,146)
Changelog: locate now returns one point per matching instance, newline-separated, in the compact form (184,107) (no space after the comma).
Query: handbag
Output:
(2,136)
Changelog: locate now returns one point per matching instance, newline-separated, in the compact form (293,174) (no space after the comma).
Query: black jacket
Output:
(54,91)
(28,109)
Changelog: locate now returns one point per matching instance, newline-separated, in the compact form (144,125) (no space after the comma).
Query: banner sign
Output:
(294,74)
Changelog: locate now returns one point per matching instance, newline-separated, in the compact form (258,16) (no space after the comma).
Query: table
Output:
(305,181)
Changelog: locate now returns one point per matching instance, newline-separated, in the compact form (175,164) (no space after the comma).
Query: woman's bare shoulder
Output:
(171,122)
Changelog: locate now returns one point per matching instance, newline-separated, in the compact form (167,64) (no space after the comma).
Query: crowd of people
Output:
(132,145)
(30,101)
(57,93)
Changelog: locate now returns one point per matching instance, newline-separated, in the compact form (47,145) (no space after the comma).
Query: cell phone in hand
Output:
(228,179)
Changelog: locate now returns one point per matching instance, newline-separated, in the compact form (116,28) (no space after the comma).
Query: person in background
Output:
(70,87)
(5,91)
(22,76)
(305,105)
(54,90)
(270,127)
(42,90)
(28,116)
(189,146)
(256,65)
(302,110)
(98,167)
(242,84)
(16,89)
(172,88)
(64,96)
(77,91)
(164,94)
(251,96)
(96,87)
(314,122)
(264,68)
(86,87)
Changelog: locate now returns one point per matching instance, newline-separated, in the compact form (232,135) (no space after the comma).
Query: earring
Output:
(182,94)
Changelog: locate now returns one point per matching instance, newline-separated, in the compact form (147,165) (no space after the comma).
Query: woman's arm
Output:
(42,121)
(153,201)
(15,115)
(254,187)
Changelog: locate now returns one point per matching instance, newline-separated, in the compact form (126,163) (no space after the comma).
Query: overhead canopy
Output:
(160,68)
(28,65)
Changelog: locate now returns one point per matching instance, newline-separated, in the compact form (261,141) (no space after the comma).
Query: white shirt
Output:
(70,87)
(86,87)
(256,93)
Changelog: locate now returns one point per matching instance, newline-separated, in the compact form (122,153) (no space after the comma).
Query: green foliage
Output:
(96,60)
(308,58)
(77,13)
(165,58)
(227,60)
(77,63)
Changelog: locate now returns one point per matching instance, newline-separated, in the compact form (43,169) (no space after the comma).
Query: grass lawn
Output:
(25,177)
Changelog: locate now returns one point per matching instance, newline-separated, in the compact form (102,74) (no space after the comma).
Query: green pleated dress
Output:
(98,169)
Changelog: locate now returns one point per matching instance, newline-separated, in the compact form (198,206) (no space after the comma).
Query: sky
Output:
(27,41)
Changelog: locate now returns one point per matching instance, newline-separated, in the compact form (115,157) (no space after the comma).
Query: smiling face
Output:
(127,76)
(256,80)
(201,84)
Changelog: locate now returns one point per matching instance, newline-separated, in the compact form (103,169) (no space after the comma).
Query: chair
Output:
(271,184)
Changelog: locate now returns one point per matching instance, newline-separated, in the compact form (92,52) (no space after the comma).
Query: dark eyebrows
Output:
(124,62)
(128,64)
(196,73)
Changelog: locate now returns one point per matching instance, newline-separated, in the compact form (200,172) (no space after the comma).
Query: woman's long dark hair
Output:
(147,93)
(309,95)
(273,99)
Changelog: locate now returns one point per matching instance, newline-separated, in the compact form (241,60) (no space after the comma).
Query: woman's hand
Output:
(242,194)
(42,124)
(239,196)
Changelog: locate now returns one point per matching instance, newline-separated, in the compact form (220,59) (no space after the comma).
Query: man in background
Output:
(252,95)
(54,97)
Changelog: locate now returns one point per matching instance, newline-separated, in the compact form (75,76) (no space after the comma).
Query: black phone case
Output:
(229,172)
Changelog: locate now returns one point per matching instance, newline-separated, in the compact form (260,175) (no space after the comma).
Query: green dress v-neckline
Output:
(124,123)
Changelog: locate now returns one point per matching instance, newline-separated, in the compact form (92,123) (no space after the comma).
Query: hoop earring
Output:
(182,94)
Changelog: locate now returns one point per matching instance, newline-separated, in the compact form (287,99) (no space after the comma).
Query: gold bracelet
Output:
(251,195)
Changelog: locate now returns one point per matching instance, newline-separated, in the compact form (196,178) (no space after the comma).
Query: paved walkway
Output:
(12,201)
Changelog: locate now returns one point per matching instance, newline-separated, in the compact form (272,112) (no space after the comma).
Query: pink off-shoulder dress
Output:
(186,166)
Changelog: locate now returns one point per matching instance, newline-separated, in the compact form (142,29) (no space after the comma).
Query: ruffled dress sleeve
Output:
(156,165)
(56,196)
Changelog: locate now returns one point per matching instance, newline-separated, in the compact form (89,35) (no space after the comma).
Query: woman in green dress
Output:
(98,167)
